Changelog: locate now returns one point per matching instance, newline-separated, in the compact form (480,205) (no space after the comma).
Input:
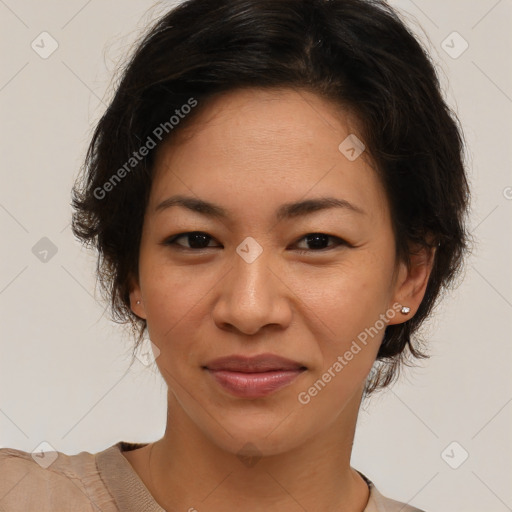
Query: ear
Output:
(411,281)
(136,301)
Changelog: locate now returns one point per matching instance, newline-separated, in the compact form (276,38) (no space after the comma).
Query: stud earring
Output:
(138,302)
(405,310)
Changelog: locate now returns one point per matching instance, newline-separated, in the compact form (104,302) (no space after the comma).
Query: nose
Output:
(252,297)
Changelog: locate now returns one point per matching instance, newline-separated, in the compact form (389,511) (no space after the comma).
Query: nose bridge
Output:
(251,277)
(251,297)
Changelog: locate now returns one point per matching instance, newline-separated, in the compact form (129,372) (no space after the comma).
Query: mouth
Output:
(254,377)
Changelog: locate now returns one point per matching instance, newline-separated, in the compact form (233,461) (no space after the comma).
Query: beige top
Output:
(100,482)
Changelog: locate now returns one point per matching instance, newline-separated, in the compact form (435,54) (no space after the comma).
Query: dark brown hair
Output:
(356,53)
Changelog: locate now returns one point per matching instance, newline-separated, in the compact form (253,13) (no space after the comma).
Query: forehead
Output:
(282,141)
(266,115)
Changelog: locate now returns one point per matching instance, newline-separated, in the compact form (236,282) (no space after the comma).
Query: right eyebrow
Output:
(285,211)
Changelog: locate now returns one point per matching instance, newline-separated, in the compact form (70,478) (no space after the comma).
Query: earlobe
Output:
(136,302)
(412,282)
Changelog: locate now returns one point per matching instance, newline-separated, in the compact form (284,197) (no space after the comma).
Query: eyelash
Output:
(172,242)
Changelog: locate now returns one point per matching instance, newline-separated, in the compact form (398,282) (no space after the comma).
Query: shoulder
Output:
(380,503)
(48,481)
(389,505)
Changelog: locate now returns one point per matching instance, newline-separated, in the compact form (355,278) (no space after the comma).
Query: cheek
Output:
(171,309)
(347,298)
(347,313)
(173,297)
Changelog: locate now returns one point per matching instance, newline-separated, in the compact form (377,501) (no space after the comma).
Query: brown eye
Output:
(195,239)
(320,242)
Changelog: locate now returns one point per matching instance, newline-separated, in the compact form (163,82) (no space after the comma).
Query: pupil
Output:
(194,237)
(316,240)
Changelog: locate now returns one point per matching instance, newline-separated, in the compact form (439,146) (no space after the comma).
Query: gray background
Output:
(64,376)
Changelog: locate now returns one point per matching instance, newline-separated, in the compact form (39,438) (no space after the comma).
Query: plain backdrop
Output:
(64,366)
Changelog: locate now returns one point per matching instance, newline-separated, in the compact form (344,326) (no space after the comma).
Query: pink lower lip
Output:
(254,385)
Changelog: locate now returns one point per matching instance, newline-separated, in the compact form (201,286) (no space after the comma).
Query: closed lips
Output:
(253,377)
(256,364)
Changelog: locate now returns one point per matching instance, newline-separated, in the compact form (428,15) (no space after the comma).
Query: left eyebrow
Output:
(285,211)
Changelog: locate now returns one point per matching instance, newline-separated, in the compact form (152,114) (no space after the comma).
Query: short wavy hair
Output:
(357,54)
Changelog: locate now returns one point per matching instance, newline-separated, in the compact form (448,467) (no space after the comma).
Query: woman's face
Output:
(254,283)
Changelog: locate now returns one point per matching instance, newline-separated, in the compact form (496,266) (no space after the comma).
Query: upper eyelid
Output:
(185,233)
(173,238)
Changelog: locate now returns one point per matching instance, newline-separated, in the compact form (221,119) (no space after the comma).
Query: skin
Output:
(249,152)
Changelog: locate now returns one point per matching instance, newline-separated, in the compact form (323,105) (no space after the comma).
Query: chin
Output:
(250,444)
(262,434)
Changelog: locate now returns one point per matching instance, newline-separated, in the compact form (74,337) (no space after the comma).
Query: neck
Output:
(188,471)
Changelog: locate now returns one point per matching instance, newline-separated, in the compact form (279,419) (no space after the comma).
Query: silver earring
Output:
(138,302)
(405,310)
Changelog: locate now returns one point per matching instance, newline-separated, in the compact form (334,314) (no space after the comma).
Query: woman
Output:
(277,195)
